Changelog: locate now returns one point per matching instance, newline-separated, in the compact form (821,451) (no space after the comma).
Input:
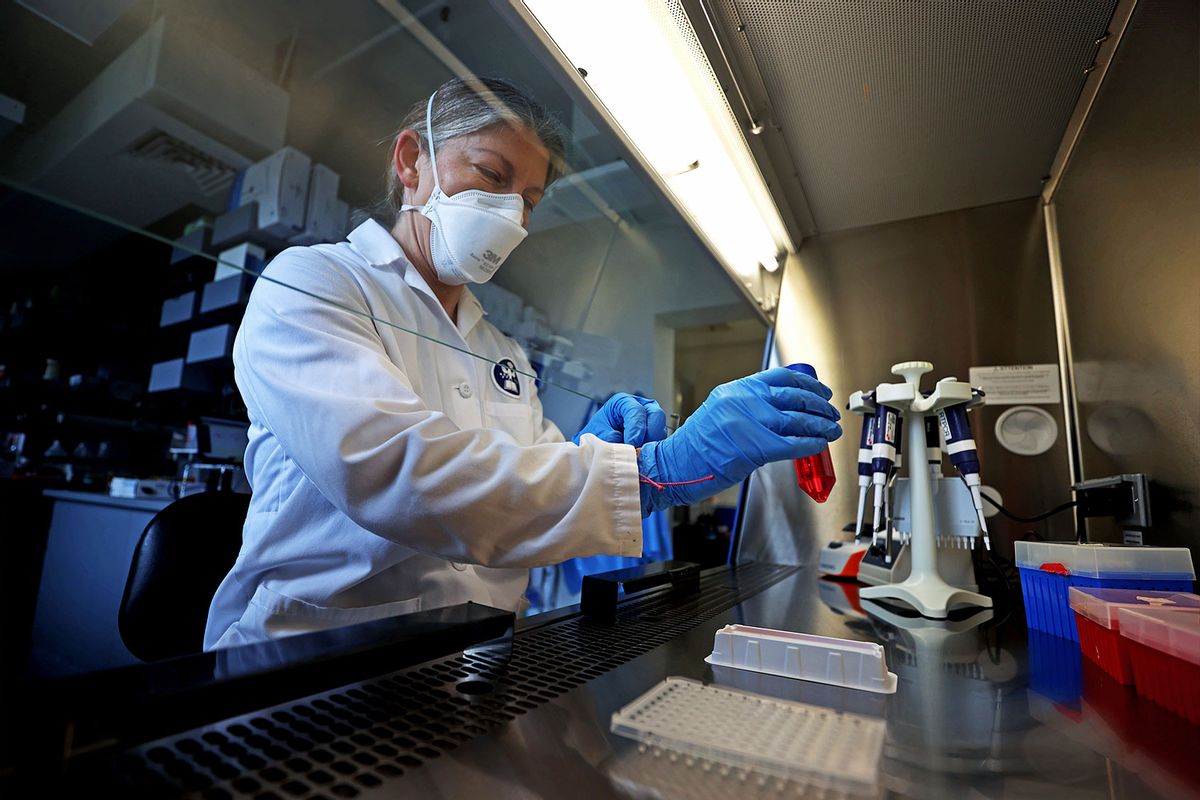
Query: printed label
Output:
(1018,384)
(889,427)
(945,423)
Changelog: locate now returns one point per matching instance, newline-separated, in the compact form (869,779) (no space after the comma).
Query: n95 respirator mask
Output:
(472,232)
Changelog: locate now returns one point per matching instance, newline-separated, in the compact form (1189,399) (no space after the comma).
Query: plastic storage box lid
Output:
(824,659)
(1175,633)
(1109,561)
(1100,605)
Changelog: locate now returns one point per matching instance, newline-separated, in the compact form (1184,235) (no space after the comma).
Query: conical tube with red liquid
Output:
(815,473)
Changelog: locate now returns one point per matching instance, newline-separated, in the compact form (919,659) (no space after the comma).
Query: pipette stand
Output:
(924,589)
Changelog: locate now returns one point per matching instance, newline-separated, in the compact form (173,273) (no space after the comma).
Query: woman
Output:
(392,473)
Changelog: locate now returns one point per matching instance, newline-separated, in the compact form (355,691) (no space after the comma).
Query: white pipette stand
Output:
(924,588)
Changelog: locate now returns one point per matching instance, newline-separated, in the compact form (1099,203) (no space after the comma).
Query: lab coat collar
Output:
(470,311)
(377,245)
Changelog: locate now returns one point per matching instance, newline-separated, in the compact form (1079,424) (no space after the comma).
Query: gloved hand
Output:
(627,419)
(770,416)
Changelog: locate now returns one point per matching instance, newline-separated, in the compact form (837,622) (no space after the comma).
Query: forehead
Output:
(516,144)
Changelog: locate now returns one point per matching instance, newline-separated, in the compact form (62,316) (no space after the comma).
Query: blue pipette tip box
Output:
(1049,569)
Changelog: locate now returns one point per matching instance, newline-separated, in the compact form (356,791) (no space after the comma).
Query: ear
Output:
(405,156)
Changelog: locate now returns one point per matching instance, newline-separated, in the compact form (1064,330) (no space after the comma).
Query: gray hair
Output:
(469,105)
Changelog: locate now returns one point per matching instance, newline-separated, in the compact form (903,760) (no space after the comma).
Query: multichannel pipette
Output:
(960,445)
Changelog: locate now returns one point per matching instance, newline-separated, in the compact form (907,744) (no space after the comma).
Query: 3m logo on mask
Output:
(492,258)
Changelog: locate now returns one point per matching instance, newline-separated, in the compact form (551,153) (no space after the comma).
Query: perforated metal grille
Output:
(900,108)
(339,743)
(671,14)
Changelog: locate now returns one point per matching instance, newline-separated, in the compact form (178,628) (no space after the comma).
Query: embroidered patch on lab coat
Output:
(504,375)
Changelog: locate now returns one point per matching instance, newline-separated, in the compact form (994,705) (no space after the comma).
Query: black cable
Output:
(1038,518)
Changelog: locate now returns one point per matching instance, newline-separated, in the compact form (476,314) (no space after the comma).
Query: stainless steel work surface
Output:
(964,721)
(982,710)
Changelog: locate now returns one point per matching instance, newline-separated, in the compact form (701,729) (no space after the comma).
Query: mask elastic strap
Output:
(437,184)
(432,157)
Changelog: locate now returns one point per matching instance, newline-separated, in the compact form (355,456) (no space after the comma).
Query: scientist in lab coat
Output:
(391,473)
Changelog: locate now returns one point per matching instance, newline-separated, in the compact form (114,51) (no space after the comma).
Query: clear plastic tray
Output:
(1172,632)
(1109,561)
(1101,605)
(823,659)
(761,735)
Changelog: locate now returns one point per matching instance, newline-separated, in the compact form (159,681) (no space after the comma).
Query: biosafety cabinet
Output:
(1015,192)
(985,186)
(1008,190)
(1005,190)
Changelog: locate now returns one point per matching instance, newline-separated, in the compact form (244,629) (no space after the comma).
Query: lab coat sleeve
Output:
(316,375)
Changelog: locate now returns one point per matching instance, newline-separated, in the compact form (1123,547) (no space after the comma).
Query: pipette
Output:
(883,458)
(960,445)
(865,443)
(933,448)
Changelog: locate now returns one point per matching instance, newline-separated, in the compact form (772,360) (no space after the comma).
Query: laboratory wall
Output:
(1128,212)
(960,289)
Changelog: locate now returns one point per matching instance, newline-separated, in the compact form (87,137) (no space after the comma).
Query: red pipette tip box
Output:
(1099,627)
(1164,649)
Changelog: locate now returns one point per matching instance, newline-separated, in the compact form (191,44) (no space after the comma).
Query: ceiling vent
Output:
(211,174)
(166,125)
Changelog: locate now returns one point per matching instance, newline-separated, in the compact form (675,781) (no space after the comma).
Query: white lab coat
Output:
(392,473)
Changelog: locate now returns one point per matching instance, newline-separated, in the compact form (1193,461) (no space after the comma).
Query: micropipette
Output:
(960,445)
(883,458)
(933,447)
(865,443)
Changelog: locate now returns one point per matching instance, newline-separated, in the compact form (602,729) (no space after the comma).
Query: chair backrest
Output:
(183,554)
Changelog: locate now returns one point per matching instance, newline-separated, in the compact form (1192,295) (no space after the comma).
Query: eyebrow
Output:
(508,166)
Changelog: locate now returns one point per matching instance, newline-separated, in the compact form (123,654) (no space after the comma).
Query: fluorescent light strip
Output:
(640,65)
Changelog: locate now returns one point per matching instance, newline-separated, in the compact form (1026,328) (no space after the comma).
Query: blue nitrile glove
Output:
(771,416)
(627,419)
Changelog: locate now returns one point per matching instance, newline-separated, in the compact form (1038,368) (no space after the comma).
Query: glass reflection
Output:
(147,186)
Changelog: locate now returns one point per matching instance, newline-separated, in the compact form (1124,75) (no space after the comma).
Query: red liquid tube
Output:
(815,473)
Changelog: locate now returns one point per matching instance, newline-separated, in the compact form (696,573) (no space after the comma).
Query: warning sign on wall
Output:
(1019,383)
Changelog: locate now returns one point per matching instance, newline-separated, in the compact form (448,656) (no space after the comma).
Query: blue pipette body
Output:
(960,446)
(884,454)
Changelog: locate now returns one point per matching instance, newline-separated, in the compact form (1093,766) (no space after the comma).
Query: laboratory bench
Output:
(982,708)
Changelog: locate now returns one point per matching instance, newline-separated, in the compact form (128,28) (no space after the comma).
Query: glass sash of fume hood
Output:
(257,274)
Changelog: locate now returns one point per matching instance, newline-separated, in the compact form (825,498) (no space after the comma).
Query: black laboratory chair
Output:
(184,552)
